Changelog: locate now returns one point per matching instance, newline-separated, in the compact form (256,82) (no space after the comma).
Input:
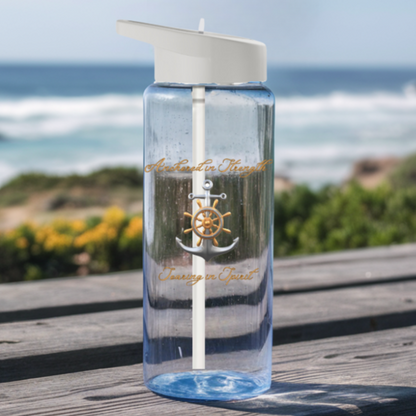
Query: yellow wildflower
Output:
(51,239)
(61,225)
(114,216)
(56,241)
(78,225)
(43,233)
(135,228)
(101,233)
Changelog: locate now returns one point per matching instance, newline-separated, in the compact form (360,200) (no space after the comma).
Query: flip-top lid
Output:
(198,57)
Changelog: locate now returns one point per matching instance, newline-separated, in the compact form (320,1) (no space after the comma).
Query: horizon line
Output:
(146,64)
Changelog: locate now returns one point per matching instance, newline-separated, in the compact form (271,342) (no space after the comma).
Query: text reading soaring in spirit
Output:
(226,276)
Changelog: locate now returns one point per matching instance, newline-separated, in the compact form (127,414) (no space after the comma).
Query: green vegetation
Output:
(404,177)
(306,221)
(19,189)
(77,247)
(352,217)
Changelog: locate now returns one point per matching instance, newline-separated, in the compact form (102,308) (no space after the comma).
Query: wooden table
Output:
(344,342)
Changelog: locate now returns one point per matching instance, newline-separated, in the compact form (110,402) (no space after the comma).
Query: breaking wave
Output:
(41,117)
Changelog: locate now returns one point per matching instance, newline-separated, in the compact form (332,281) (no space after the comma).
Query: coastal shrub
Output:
(343,218)
(106,177)
(306,221)
(292,209)
(20,188)
(72,247)
(404,176)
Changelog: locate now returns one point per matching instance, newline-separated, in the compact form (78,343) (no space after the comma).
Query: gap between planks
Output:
(73,296)
(369,375)
(90,341)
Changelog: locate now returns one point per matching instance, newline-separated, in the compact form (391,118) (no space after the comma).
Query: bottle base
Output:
(208,385)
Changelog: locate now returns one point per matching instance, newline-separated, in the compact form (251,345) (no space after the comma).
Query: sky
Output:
(297,32)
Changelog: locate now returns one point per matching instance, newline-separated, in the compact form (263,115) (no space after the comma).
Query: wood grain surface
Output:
(344,333)
(71,296)
(368,374)
(61,345)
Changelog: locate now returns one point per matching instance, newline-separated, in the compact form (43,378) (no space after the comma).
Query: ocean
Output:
(77,118)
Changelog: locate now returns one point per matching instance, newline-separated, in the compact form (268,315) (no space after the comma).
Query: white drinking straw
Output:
(198,263)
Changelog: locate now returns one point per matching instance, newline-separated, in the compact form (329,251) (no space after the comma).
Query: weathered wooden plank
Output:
(71,296)
(352,255)
(61,345)
(345,268)
(370,375)
(301,277)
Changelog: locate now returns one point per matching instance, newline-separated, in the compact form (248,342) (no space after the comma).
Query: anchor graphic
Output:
(207,223)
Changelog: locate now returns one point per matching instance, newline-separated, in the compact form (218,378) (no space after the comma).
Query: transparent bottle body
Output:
(239,126)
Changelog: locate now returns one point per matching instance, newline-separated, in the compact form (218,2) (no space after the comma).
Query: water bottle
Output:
(207,214)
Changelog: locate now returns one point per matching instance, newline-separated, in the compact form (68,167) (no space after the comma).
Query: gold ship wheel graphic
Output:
(207,223)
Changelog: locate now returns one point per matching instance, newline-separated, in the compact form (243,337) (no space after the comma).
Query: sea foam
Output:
(317,137)
(343,109)
(40,117)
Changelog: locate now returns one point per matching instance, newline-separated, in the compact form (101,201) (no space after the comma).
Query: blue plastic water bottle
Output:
(208,215)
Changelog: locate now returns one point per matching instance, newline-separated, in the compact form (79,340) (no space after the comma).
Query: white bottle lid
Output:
(198,57)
